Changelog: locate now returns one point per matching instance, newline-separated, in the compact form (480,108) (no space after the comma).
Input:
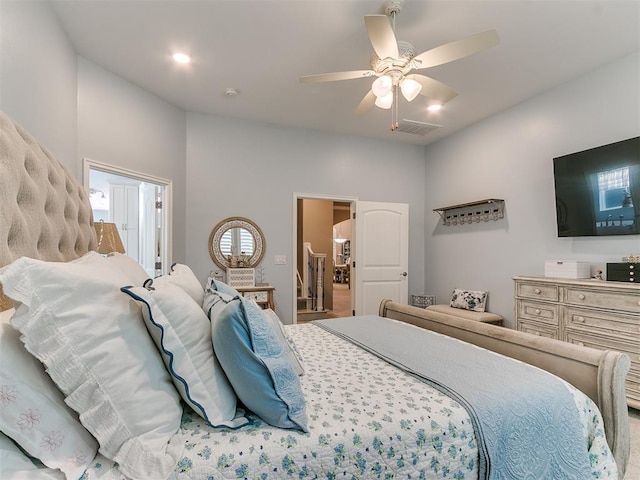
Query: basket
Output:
(423,301)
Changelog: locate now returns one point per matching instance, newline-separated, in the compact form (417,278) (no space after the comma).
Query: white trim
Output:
(167,217)
(294,254)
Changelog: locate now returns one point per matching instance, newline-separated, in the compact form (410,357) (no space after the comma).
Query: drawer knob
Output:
(537,333)
(537,291)
(581,296)
(537,311)
(580,319)
(580,343)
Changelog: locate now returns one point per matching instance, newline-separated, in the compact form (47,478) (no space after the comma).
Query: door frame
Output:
(294,243)
(167,207)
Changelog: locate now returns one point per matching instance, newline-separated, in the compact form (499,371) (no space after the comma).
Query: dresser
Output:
(262,294)
(595,313)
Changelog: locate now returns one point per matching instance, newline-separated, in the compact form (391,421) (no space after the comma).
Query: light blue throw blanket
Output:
(525,419)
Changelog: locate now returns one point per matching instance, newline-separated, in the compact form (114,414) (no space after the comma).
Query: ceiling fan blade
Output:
(335,76)
(367,102)
(381,35)
(459,49)
(433,89)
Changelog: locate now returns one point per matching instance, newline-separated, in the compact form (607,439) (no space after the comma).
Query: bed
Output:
(332,403)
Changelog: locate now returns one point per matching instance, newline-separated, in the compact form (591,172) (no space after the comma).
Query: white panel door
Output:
(381,255)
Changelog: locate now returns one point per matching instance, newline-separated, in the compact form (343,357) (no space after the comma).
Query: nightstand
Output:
(262,294)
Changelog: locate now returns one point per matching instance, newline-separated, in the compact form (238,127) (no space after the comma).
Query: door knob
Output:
(404,274)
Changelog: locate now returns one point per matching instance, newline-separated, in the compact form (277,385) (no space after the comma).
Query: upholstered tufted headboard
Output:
(44,211)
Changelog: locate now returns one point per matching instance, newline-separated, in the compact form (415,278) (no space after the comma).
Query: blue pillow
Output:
(224,288)
(257,365)
(215,301)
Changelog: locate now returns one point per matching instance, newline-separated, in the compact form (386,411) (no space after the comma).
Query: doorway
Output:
(321,244)
(139,205)
(379,247)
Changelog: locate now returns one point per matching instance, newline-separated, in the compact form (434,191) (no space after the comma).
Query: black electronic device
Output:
(598,190)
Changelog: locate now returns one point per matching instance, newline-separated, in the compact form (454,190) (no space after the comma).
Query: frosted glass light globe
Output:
(382,86)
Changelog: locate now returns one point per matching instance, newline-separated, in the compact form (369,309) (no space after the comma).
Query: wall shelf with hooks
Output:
(472,212)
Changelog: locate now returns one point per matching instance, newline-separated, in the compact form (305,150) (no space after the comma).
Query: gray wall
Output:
(121,124)
(509,156)
(238,168)
(77,109)
(224,167)
(38,86)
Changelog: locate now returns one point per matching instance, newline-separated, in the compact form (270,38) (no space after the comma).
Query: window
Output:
(235,237)
(613,189)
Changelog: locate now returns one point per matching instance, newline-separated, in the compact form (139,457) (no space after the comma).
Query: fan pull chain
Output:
(394,109)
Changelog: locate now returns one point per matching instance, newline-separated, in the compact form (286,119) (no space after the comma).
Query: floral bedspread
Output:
(367,420)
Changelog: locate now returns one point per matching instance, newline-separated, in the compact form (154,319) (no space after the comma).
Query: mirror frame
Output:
(236,222)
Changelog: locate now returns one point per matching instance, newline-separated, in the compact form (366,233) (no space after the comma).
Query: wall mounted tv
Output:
(598,190)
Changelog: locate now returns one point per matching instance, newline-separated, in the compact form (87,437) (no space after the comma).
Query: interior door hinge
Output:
(158,265)
(158,204)
(354,215)
(353,313)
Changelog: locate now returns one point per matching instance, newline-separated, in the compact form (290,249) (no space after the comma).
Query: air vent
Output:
(414,127)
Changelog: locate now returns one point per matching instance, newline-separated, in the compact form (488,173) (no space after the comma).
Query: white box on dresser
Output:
(566,269)
(594,313)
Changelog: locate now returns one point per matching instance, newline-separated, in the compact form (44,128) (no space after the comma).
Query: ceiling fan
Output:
(394,61)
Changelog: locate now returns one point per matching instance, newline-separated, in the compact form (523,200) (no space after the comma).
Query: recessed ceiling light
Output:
(181,58)
(434,108)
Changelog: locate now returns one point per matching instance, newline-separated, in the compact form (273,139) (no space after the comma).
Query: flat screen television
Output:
(598,190)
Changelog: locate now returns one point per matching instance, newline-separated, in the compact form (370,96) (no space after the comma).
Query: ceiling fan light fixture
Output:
(410,88)
(382,86)
(385,101)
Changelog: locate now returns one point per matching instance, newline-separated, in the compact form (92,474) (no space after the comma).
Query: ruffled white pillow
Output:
(96,348)
(33,412)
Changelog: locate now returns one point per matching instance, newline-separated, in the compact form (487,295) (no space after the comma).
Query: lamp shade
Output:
(386,101)
(410,88)
(108,238)
(382,86)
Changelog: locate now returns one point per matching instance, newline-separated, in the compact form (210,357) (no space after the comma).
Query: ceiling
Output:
(262,47)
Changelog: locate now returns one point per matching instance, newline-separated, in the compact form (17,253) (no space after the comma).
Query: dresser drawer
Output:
(538,312)
(538,329)
(624,301)
(259,296)
(537,291)
(599,320)
(604,342)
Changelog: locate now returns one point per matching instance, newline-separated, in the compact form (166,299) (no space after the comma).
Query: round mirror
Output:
(236,242)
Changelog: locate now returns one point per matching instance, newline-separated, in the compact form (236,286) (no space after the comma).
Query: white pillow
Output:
(33,412)
(476,301)
(15,465)
(181,331)
(129,267)
(183,277)
(94,344)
